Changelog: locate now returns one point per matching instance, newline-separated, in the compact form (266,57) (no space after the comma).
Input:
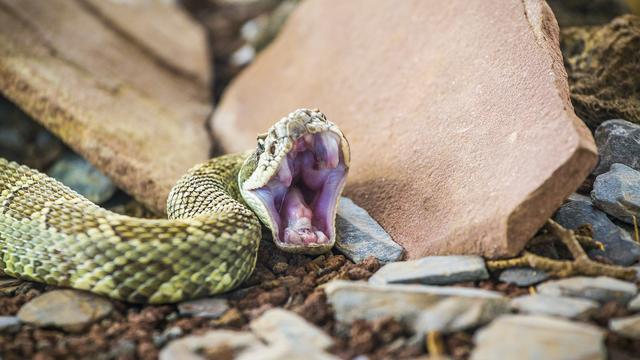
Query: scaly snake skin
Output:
(209,244)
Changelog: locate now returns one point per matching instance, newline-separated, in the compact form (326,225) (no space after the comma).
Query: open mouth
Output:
(301,196)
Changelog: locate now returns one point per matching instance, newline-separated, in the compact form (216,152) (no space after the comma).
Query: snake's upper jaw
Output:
(298,198)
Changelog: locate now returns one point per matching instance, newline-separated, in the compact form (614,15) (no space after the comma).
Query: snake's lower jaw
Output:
(299,202)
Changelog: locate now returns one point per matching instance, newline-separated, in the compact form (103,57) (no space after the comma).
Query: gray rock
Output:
(634,304)
(209,308)
(619,246)
(554,306)
(279,325)
(433,270)
(617,192)
(239,345)
(523,276)
(618,141)
(422,308)
(360,236)
(70,310)
(538,337)
(9,324)
(75,172)
(626,326)
(601,289)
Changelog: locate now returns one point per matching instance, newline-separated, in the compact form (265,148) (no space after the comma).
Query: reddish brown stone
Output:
(462,133)
(106,92)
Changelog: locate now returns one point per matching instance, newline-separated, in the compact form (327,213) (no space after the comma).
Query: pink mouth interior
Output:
(302,195)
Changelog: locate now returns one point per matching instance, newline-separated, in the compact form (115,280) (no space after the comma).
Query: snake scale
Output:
(208,244)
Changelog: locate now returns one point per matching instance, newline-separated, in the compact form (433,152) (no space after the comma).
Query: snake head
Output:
(294,178)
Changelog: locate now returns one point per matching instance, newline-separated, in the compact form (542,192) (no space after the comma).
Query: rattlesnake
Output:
(209,244)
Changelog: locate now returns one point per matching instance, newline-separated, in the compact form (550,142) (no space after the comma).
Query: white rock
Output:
(244,346)
(279,325)
(601,289)
(626,326)
(634,305)
(432,270)
(555,306)
(538,337)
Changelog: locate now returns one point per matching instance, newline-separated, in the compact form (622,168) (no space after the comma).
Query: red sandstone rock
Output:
(462,133)
(98,84)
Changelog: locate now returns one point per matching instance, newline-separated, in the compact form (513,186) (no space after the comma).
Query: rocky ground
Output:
(359,301)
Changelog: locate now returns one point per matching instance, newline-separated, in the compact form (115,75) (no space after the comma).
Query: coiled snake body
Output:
(209,244)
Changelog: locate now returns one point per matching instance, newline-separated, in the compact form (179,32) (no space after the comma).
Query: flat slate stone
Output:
(422,308)
(618,142)
(70,310)
(566,307)
(360,236)
(626,326)
(619,245)
(538,337)
(433,270)
(119,103)
(602,289)
(617,192)
(523,276)
(463,137)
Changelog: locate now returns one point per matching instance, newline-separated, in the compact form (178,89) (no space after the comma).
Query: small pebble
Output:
(70,310)
(523,276)
(211,308)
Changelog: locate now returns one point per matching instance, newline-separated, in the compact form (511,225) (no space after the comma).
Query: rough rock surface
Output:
(439,159)
(360,236)
(538,337)
(602,63)
(619,245)
(70,310)
(618,141)
(433,270)
(114,101)
(617,192)
(602,289)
